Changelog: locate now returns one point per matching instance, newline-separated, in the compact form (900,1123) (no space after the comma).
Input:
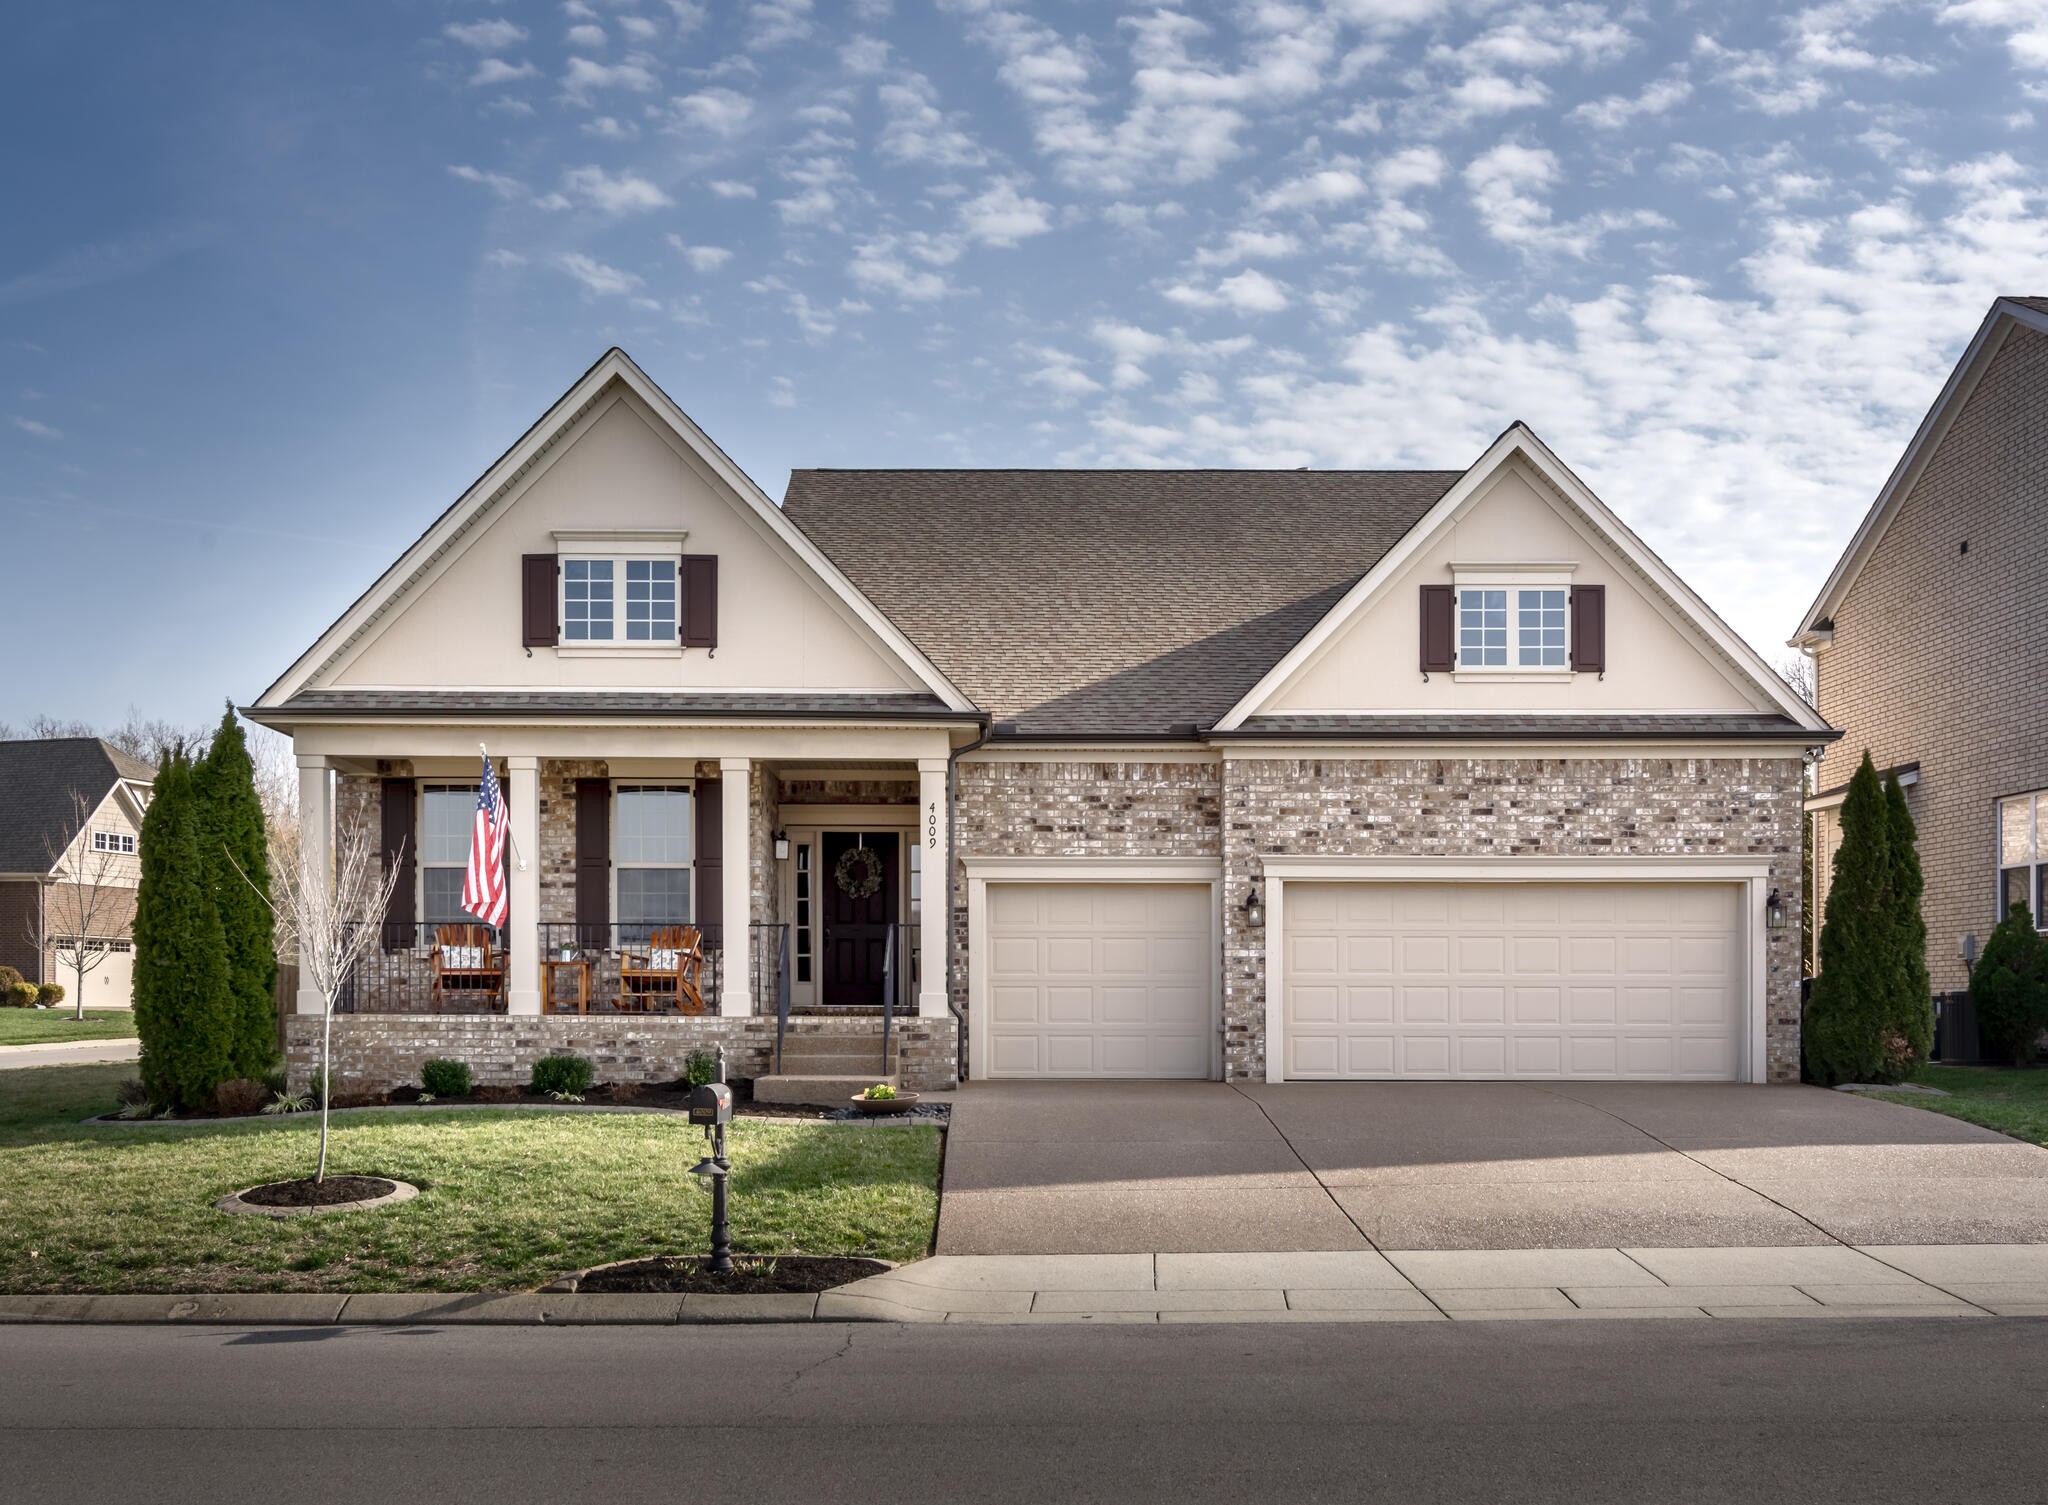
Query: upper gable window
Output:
(619,600)
(113,841)
(1510,627)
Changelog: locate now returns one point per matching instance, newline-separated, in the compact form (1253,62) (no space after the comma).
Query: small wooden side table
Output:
(580,970)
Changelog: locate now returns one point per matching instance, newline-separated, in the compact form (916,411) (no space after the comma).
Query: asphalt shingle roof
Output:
(1107,602)
(38,817)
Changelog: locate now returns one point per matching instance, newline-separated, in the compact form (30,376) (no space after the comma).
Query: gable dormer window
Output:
(1514,619)
(618,599)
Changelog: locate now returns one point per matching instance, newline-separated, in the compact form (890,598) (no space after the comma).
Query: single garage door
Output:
(1099,980)
(1594,981)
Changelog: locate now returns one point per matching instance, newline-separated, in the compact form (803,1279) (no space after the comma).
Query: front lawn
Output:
(46,1026)
(2012,1100)
(508,1200)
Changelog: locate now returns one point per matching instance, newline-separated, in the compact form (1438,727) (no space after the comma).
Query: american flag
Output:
(483,885)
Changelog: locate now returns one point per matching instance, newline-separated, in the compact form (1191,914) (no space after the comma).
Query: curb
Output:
(402,1309)
(278,1119)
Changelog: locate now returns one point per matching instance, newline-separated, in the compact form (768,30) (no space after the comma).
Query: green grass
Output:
(2009,1099)
(44,1026)
(508,1200)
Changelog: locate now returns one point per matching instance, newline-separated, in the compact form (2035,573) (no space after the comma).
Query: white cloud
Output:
(624,194)
(604,281)
(553,203)
(1248,245)
(486,36)
(719,110)
(505,259)
(2024,22)
(700,258)
(1334,184)
(781,392)
(35,426)
(497,182)
(584,76)
(813,206)
(1508,185)
(772,23)
(1061,374)
(1614,112)
(609,128)
(726,188)
(639,28)
(495,70)
(1002,216)
(588,37)
(914,129)
(1131,348)
(1251,291)
(877,266)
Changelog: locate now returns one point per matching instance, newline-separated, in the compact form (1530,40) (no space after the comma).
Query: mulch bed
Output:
(674,1095)
(750,1276)
(306,1192)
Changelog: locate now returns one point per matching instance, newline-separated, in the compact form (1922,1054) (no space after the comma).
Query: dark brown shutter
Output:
(700,601)
(710,857)
(593,863)
(399,851)
(537,576)
(1589,629)
(1439,635)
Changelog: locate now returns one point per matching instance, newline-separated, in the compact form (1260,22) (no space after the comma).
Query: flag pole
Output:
(517,857)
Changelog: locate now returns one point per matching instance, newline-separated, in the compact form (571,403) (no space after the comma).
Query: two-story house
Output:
(1260,775)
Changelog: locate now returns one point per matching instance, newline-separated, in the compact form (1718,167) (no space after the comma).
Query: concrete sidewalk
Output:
(1951,1280)
(69,1053)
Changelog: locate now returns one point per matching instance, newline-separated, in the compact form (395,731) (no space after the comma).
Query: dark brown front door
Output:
(856,936)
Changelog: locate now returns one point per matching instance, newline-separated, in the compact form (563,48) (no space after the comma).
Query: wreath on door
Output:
(858,873)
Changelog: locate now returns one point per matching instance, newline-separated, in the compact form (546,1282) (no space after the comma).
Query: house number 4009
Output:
(931,826)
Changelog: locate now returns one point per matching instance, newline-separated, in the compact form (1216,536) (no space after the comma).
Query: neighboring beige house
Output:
(1248,774)
(1927,643)
(46,854)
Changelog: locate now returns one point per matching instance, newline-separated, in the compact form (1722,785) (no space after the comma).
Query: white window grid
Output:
(1513,627)
(121,842)
(2022,871)
(652,832)
(620,601)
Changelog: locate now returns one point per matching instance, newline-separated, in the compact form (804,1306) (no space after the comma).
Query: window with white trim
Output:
(2023,854)
(114,841)
(651,857)
(619,601)
(805,903)
(1512,628)
(447,822)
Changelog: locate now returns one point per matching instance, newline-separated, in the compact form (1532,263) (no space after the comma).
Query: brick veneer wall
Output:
(901,790)
(1938,655)
(1249,809)
(375,1053)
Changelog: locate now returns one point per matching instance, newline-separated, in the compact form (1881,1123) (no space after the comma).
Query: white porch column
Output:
(316,840)
(522,800)
(935,901)
(736,987)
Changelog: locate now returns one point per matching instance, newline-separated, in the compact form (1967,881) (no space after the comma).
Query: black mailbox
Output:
(711,1104)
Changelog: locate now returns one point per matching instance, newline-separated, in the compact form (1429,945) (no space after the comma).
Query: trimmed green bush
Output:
(19,995)
(235,850)
(1850,1014)
(50,994)
(184,1007)
(701,1068)
(2009,987)
(446,1078)
(569,1075)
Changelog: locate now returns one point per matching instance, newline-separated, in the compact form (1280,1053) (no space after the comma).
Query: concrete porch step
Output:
(817,1091)
(812,1063)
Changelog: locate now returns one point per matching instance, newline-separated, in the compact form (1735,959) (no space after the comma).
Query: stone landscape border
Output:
(232,1203)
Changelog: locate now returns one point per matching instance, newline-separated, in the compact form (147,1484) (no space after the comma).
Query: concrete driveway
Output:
(1184,1167)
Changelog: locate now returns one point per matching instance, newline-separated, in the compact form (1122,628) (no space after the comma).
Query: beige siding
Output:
(1651,664)
(619,469)
(1938,655)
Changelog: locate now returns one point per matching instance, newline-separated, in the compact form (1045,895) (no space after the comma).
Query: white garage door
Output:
(1598,981)
(1099,980)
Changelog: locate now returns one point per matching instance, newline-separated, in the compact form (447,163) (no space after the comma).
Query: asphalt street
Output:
(1901,1409)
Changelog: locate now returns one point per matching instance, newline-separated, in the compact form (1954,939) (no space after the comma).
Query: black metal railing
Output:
(620,969)
(411,971)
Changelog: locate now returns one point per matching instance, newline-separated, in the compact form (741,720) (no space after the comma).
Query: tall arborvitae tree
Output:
(184,1011)
(1912,1018)
(236,850)
(1854,993)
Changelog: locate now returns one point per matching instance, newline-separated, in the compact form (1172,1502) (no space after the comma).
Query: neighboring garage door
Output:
(1099,980)
(1592,981)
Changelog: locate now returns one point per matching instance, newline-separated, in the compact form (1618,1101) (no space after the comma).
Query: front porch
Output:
(657,903)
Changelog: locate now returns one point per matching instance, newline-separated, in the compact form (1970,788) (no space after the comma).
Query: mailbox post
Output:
(711,1106)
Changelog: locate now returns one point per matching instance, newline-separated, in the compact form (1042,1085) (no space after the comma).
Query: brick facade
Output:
(375,1053)
(1937,657)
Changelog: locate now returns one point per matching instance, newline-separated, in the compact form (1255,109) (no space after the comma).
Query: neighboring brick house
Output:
(1927,643)
(1269,775)
(44,786)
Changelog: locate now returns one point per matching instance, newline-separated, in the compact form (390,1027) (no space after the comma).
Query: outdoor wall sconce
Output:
(1774,911)
(1254,911)
(781,846)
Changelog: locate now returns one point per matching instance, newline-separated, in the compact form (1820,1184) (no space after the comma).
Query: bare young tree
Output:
(1797,671)
(91,903)
(330,912)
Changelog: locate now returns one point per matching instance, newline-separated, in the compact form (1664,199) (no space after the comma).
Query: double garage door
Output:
(1593,981)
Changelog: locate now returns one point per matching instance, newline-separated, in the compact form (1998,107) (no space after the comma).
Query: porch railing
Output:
(398,976)
(603,952)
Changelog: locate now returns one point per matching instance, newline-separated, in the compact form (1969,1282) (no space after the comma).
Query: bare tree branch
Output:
(95,906)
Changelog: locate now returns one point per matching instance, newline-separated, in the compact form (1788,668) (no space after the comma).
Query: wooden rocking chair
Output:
(466,970)
(669,968)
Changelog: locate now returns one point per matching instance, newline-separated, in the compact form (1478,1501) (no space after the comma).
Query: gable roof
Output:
(1107,602)
(38,779)
(2005,315)
(471,508)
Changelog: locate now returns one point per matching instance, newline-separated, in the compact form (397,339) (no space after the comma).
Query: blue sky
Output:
(277,282)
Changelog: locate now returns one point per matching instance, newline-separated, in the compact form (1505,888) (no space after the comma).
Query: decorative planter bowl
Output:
(902,1102)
